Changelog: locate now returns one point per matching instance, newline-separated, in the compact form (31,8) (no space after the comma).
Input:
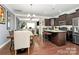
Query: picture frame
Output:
(2,15)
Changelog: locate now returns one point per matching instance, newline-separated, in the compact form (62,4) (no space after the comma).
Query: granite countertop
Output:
(55,30)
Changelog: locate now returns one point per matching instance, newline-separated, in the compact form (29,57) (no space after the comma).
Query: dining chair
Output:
(11,36)
(21,40)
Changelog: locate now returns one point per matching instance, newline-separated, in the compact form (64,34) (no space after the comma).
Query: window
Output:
(31,24)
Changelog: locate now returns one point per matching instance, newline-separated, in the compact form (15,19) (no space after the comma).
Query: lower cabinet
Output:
(76,39)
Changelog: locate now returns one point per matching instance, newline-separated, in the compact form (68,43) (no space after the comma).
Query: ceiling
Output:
(48,10)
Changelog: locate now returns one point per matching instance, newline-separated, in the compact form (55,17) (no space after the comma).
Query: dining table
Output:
(12,41)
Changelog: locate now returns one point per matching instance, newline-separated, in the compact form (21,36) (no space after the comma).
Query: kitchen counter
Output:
(55,30)
(58,37)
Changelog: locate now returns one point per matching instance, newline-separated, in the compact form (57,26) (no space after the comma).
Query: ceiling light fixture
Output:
(31,17)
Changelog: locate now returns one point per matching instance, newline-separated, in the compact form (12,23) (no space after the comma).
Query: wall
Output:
(3,30)
(11,20)
(56,21)
(17,24)
(3,34)
(13,25)
(41,26)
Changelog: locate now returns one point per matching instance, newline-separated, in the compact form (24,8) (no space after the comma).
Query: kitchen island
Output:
(57,37)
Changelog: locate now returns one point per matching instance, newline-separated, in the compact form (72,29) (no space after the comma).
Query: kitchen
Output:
(57,28)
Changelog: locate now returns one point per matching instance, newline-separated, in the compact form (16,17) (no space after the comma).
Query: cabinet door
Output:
(61,23)
(47,22)
(69,19)
(77,39)
(56,22)
(75,21)
(75,25)
(74,38)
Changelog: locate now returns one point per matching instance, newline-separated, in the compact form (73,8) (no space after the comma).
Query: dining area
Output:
(20,40)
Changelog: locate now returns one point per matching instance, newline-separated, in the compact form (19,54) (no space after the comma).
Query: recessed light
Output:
(53,8)
(30,4)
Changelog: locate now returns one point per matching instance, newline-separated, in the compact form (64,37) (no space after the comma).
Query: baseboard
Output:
(4,44)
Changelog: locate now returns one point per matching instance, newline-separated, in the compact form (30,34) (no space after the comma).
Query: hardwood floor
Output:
(45,48)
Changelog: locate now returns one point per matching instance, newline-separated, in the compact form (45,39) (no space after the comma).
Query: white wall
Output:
(17,24)
(41,25)
(11,20)
(3,30)
(3,34)
(13,24)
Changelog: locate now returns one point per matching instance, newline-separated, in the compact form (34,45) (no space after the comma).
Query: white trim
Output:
(4,44)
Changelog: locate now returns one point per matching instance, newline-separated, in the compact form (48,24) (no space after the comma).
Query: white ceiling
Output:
(48,10)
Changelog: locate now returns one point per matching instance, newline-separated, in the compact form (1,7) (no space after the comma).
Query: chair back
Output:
(21,39)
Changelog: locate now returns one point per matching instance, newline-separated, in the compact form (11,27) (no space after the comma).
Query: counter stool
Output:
(46,36)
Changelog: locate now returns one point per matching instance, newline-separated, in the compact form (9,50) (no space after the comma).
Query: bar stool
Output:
(46,36)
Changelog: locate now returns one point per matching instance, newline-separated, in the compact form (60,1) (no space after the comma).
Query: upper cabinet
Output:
(69,19)
(66,18)
(62,17)
(75,14)
(56,21)
(47,22)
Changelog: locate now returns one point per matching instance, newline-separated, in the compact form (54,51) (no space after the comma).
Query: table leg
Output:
(11,45)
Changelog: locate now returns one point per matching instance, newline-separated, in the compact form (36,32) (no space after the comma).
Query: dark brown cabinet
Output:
(75,14)
(56,21)
(65,18)
(69,19)
(58,38)
(47,22)
(62,17)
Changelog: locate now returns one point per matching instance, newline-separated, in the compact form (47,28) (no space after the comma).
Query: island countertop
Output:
(55,31)
(57,37)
